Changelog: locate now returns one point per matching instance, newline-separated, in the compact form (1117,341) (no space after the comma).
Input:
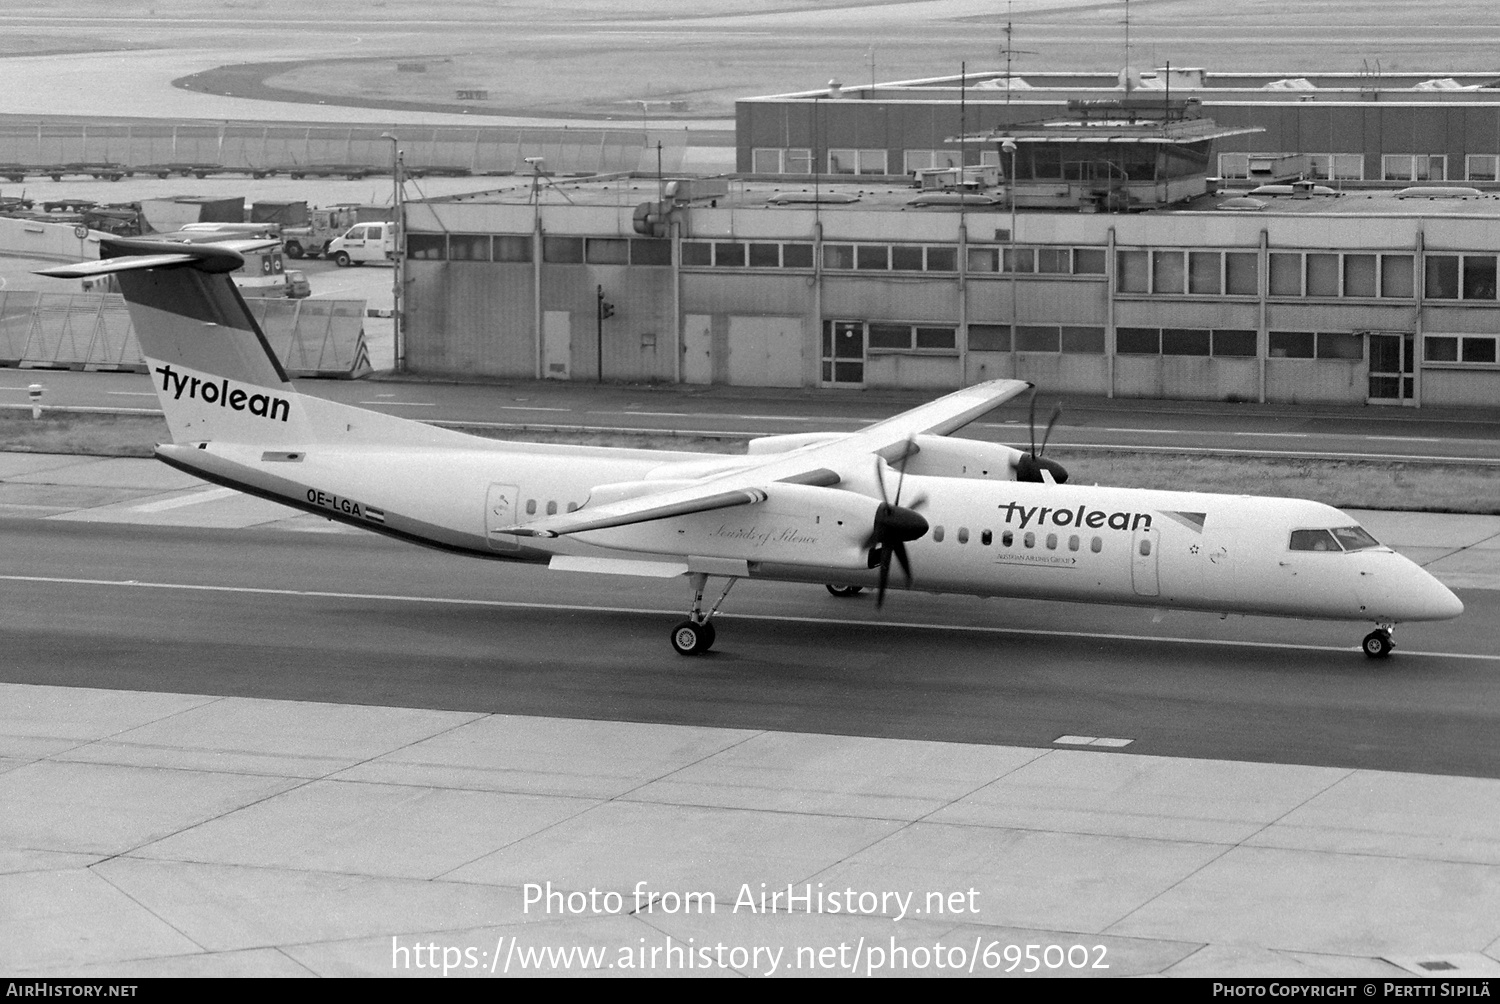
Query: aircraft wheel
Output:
(342,260)
(844,592)
(690,639)
(1378,644)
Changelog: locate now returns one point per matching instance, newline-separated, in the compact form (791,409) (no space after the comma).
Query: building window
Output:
(1138,341)
(1088,261)
(1442,277)
(1293,344)
(1233,342)
(989,338)
(607,251)
(838,256)
(856,162)
(562,250)
(1204,268)
(1413,167)
(765,255)
(1322,275)
(1184,342)
(765,160)
(1337,345)
(426,247)
(509,247)
(984,260)
(887,336)
(872,256)
(1242,273)
(1037,338)
(1396,276)
(1482,167)
(1359,274)
(1286,274)
(942,259)
(796,256)
(729,254)
(906,258)
(1133,269)
(469,247)
(927,160)
(1018,260)
(1088,341)
(1054,261)
(650,252)
(1167,274)
(1479,349)
(1479,277)
(697,253)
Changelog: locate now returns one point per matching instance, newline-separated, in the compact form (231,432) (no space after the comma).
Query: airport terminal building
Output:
(1347,298)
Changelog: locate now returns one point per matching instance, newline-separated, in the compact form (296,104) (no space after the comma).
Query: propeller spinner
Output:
(893,527)
(1030,466)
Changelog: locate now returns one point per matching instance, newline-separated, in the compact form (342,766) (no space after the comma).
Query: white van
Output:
(363,242)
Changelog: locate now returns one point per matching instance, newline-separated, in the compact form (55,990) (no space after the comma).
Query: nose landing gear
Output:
(696,634)
(1378,643)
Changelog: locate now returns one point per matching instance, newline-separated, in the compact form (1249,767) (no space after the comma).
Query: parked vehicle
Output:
(297,286)
(362,243)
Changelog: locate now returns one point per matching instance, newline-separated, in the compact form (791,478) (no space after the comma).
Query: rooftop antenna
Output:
(1127,46)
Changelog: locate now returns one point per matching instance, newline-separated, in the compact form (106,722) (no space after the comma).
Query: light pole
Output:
(398,274)
(1008,145)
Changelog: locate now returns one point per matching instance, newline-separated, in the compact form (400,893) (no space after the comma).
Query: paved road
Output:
(356,619)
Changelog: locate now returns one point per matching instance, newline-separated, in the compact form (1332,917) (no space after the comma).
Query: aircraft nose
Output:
(1433,601)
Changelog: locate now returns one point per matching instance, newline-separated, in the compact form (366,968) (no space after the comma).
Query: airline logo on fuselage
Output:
(223,394)
(1083,516)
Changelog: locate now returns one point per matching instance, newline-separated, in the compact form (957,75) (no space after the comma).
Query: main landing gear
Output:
(696,634)
(844,592)
(1378,643)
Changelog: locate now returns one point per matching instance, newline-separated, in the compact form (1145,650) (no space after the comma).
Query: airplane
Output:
(836,508)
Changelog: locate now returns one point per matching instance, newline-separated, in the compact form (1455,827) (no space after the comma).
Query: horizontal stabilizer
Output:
(120,254)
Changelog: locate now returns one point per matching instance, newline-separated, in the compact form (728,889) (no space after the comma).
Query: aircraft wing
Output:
(825,464)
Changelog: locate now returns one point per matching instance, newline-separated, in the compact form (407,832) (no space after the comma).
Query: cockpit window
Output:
(1355,538)
(1313,540)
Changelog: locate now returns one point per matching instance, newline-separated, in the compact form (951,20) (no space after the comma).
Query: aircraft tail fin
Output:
(214,371)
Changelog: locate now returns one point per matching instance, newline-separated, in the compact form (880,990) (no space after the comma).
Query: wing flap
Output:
(636,511)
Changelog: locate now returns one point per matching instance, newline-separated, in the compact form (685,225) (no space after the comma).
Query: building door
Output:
(1392,368)
(697,348)
(843,353)
(500,509)
(1145,543)
(557,344)
(765,351)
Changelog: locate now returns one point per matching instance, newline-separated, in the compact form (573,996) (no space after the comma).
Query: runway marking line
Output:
(782,618)
(185,500)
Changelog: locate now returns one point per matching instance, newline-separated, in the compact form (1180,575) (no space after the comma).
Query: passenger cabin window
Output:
(551,508)
(1051,541)
(1096,545)
(1007,538)
(986,537)
(1313,540)
(1146,548)
(937,535)
(531,507)
(1030,539)
(963,535)
(1354,538)
(1073,542)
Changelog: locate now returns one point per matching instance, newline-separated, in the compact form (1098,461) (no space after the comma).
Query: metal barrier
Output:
(92,331)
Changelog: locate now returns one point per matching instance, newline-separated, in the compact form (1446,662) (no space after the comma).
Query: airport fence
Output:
(93,331)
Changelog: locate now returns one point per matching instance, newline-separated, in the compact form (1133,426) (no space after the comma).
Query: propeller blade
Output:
(1031,421)
(899,550)
(1051,422)
(885,576)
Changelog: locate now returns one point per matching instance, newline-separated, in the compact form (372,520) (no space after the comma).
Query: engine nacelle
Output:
(796,525)
(945,457)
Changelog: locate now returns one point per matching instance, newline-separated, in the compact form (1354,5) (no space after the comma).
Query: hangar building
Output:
(1377,297)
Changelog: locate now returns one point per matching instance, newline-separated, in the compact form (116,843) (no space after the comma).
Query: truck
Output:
(305,232)
(363,242)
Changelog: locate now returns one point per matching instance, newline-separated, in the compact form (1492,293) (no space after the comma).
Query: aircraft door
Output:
(1144,545)
(500,510)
